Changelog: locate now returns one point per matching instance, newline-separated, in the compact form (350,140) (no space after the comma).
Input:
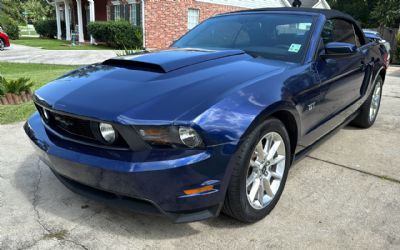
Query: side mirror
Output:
(337,49)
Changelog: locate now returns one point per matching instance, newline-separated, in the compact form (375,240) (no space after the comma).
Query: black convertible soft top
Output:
(327,13)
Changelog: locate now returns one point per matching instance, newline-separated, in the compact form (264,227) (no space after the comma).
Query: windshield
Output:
(274,36)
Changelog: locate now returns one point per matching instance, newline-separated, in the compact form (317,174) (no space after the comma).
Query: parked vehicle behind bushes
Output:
(4,40)
(10,27)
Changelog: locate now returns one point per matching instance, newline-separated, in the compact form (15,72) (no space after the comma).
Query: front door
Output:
(341,78)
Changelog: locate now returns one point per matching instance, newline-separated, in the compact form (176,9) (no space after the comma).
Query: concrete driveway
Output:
(344,195)
(24,54)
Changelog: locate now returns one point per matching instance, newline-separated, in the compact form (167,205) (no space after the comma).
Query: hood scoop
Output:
(136,65)
(169,60)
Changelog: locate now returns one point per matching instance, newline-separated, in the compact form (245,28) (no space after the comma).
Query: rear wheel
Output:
(260,171)
(369,110)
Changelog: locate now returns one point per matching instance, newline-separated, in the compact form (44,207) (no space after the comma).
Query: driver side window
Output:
(338,30)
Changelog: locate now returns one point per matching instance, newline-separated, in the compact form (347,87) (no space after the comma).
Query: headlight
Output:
(171,136)
(107,132)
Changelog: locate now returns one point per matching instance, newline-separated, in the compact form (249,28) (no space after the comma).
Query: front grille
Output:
(73,126)
(77,129)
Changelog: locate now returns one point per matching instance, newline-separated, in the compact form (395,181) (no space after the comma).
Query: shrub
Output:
(118,34)
(46,28)
(2,87)
(10,27)
(15,86)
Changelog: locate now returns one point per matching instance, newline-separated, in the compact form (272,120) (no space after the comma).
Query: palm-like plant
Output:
(2,87)
(17,86)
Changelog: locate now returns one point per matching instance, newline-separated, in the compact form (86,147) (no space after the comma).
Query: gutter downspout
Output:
(143,25)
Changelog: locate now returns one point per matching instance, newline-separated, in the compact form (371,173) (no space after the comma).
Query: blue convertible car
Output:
(214,123)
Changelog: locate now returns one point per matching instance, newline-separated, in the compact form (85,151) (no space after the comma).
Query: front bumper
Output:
(152,181)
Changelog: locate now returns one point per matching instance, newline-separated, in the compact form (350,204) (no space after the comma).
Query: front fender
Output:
(232,118)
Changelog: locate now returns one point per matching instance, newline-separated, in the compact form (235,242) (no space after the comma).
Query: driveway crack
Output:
(384,177)
(77,244)
(59,235)
(36,198)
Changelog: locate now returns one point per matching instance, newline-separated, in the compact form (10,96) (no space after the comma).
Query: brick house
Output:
(162,21)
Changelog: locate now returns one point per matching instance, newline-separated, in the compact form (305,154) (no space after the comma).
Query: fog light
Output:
(107,132)
(189,137)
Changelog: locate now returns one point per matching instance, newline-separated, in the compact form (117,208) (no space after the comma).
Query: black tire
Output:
(2,44)
(236,202)
(363,119)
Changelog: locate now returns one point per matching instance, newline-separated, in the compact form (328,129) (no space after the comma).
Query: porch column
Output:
(80,21)
(58,18)
(92,17)
(67,11)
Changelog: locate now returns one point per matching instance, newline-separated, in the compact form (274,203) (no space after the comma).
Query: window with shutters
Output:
(129,12)
(193,18)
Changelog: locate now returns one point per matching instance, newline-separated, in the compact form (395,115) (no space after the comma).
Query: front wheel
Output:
(369,110)
(260,170)
(2,44)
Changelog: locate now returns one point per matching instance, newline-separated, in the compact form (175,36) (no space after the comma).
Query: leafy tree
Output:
(358,9)
(11,9)
(38,9)
(387,13)
(10,17)
(370,13)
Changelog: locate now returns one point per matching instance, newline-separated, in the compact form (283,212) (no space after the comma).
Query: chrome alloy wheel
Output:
(375,102)
(2,45)
(266,169)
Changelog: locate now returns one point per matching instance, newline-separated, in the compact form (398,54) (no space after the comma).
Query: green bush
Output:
(14,86)
(46,28)
(10,27)
(118,34)
(2,87)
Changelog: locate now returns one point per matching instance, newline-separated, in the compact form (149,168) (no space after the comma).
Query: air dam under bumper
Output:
(154,184)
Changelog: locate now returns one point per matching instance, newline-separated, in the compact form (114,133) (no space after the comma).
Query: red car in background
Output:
(4,40)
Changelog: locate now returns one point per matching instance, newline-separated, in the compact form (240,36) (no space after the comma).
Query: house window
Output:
(133,14)
(130,12)
(193,18)
(117,12)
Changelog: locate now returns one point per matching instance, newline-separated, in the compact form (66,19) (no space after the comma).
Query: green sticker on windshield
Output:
(295,47)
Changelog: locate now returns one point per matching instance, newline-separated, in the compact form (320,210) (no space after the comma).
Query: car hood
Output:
(156,87)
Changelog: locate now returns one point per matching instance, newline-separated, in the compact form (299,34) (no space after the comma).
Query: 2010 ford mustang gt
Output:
(213,123)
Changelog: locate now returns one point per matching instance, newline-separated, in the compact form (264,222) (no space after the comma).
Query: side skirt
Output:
(300,155)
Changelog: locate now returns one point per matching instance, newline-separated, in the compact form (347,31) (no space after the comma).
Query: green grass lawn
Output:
(40,74)
(27,31)
(54,44)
